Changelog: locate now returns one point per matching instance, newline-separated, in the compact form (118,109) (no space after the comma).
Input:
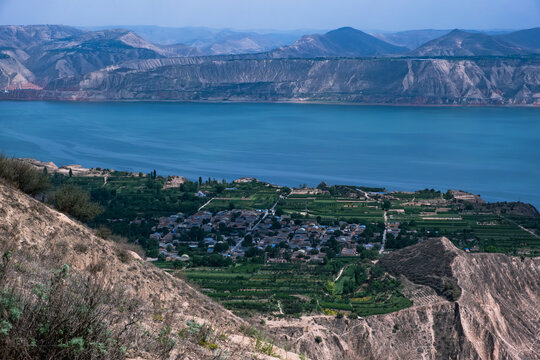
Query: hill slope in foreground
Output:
(469,306)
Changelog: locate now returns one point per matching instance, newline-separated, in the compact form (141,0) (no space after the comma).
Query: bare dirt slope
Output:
(43,239)
(496,314)
(56,239)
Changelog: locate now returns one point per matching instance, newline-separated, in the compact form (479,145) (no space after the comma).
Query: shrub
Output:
(103,232)
(23,176)
(123,256)
(329,312)
(75,202)
(451,290)
(81,247)
(65,317)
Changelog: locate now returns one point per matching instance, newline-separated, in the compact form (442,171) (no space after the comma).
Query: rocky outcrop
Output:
(13,74)
(495,317)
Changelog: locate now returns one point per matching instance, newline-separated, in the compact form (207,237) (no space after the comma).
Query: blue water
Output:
(494,152)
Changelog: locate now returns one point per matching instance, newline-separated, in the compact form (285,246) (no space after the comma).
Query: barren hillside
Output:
(42,240)
(497,314)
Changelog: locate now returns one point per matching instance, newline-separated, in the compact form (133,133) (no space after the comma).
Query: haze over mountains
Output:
(212,41)
(61,62)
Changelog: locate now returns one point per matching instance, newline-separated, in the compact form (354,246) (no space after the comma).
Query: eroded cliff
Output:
(497,314)
(383,80)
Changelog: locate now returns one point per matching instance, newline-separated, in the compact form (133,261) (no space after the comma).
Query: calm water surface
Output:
(494,152)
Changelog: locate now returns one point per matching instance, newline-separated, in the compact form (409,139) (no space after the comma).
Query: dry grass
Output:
(22,176)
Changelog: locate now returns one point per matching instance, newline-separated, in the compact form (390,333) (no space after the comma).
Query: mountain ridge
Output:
(344,65)
(462,43)
(342,42)
(528,38)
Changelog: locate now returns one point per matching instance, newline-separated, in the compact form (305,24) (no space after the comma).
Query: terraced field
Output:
(334,208)
(490,232)
(295,288)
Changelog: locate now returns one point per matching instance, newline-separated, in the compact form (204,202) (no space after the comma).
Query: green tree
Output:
(359,275)
(330,287)
(377,271)
(76,202)
(348,286)
(448,195)
(248,240)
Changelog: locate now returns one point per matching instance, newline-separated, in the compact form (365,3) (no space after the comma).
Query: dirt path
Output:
(341,272)
(206,203)
(521,227)
(279,307)
(384,234)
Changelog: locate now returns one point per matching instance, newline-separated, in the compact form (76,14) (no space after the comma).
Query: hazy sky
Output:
(278,14)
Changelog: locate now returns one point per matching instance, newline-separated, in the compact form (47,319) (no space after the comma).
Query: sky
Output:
(391,15)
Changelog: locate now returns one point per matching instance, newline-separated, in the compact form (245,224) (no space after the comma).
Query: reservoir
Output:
(491,151)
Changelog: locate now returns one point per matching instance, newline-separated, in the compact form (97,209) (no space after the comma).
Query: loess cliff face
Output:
(344,65)
(499,306)
(387,80)
(497,314)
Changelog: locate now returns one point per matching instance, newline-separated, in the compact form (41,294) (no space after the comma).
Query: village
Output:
(240,232)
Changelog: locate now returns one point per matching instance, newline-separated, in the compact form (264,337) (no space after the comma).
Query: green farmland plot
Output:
(334,209)
(296,288)
(491,232)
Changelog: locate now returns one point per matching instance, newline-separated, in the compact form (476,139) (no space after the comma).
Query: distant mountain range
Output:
(411,39)
(343,42)
(214,42)
(529,39)
(61,62)
(461,43)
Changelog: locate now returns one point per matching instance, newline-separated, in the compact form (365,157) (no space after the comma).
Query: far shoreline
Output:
(293,102)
